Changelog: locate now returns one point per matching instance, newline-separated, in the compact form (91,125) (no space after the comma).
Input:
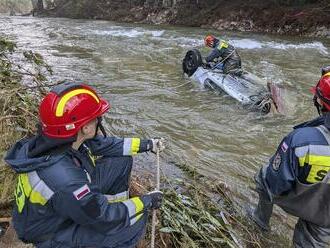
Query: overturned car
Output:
(250,90)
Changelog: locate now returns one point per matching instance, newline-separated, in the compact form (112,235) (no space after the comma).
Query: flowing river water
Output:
(138,69)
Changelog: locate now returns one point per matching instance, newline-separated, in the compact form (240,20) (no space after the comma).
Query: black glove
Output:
(153,200)
(206,65)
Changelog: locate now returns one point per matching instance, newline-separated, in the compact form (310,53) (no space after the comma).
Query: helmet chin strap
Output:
(320,108)
(100,127)
(317,105)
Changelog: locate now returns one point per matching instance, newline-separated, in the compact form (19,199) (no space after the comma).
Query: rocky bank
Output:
(276,17)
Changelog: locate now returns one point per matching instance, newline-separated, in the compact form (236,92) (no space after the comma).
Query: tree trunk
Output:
(40,5)
(34,4)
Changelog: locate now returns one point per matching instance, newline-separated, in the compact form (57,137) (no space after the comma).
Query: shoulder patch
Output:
(81,192)
(284,147)
(277,161)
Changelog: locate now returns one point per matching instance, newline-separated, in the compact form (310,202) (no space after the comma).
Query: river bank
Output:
(194,213)
(237,15)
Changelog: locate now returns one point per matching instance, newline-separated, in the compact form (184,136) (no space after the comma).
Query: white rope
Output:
(154,216)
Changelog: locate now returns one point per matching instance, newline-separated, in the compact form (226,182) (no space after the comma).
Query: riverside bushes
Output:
(22,82)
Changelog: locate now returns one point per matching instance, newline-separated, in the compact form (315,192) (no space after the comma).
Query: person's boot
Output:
(261,214)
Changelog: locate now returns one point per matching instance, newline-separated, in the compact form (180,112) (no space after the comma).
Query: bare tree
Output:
(38,5)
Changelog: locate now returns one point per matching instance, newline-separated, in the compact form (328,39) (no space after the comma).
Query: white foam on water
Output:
(131,33)
(250,44)
(184,42)
(311,45)
(157,33)
(253,44)
(246,44)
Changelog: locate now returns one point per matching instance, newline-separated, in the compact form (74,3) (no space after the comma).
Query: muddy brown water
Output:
(138,69)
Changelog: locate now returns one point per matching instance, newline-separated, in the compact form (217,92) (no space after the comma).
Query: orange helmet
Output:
(210,41)
(67,108)
(322,90)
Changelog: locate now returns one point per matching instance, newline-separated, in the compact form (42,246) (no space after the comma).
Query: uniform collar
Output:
(321,120)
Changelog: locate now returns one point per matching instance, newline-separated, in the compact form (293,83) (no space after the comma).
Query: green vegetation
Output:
(201,213)
(18,106)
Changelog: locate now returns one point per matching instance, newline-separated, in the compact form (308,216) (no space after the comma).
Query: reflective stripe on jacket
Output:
(296,175)
(57,189)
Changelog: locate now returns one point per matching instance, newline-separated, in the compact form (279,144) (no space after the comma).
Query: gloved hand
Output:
(206,65)
(153,200)
(157,144)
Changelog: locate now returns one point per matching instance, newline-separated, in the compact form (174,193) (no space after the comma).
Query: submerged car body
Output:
(248,89)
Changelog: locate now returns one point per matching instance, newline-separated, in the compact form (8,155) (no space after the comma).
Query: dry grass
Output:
(18,107)
(18,116)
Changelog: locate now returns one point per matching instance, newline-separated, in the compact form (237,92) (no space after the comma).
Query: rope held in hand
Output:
(154,217)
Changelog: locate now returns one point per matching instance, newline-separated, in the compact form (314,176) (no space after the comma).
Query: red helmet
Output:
(68,107)
(322,90)
(209,40)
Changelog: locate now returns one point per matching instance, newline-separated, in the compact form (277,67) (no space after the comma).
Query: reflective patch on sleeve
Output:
(131,146)
(135,146)
(81,192)
(19,196)
(320,150)
(317,157)
(301,151)
(39,186)
(284,147)
(223,44)
(127,146)
(33,188)
(122,196)
(134,207)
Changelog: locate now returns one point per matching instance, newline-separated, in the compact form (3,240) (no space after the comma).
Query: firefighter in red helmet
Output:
(223,54)
(297,177)
(73,183)
(67,108)
(322,92)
